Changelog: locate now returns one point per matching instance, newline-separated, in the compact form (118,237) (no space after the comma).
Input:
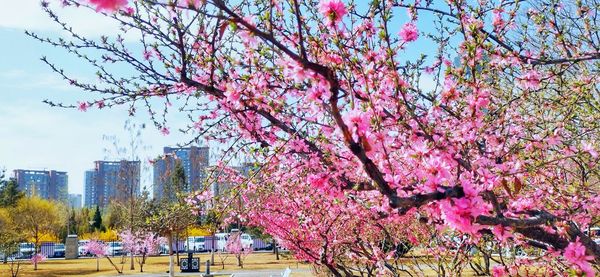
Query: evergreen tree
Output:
(9,193)
(178,184)
(97,225)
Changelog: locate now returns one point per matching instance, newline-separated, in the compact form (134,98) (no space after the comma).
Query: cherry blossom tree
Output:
(141,244)
(477,117)
(99,249)
(37,258)
(234,246)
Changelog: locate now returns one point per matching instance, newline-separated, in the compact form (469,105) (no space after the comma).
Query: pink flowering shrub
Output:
(38,258)
(96,248)
(141,244)
(235,246)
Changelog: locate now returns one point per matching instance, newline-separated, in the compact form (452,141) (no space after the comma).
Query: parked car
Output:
(163,248)
(221,239)
(247,241)
(195,244)
(26,250)
(115,248)
(81,249)
(59,250)
(179,246)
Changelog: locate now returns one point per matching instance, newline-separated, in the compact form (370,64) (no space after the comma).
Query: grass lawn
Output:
(87,266)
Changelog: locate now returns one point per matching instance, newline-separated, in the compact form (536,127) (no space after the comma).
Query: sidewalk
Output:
(236,273)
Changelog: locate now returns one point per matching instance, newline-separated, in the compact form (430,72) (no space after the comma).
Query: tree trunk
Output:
(212,252)
(114,265)
(171,268)
(177,247)
(276,249)
(212,257)
(97,263)
(35,260)
(143,262)
(132,267)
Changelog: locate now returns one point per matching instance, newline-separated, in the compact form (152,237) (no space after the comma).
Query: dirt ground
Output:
(87,266)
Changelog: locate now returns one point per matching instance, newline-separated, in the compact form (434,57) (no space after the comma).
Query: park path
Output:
(236,273)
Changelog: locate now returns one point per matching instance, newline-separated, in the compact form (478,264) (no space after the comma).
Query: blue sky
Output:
(36,136)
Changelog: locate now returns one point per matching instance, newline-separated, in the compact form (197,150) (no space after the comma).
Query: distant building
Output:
(111,180)
(194,161)
(219,187)
(46,184)
(89,190)
(75,200)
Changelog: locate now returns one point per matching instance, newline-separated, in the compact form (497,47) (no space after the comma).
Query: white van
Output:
(247,241)
(195,244)
(221,241)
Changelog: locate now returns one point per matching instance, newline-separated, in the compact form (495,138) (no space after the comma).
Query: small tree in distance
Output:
(141,244)
(97,220)
(37,218)
(99,249)
(235,246)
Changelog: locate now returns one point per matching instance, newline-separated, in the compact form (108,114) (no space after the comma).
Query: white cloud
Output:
(17,79)
(28,15)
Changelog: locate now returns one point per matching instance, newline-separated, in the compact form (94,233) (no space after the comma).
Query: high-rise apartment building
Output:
(75,201)
(89,191)
(46,184)
(111,180)
(194,161)
(219,187)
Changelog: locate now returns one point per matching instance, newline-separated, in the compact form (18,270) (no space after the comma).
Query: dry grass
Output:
(87,266)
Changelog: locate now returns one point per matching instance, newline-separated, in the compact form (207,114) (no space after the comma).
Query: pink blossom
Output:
(141,243)
(147,55)
(409,32)
(575,254)
(38,258)
(502,233)
(589,148)
(100,104)
(83,106)
(498,21)
(531,79)
(129,11)
(460,213)
(96,248)
(318,181)
(165,131)
(333,10)
(108,5)
(358,119)
(235,246)
(499,271)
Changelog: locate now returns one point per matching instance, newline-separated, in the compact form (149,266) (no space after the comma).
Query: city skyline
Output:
(37,136)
